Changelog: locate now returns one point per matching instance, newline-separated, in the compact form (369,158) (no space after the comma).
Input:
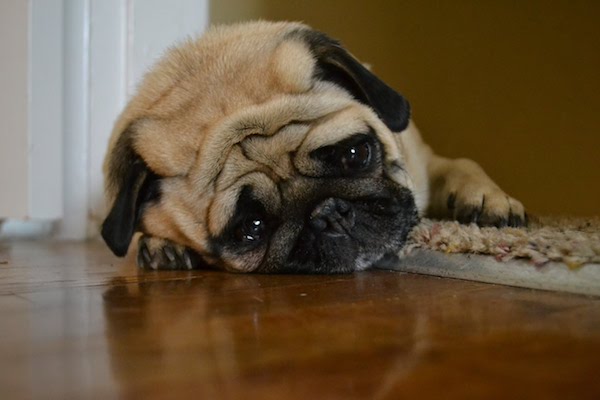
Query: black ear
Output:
(335,64)
(138,186)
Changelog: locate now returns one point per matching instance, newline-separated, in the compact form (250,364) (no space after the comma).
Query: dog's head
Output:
(264,147)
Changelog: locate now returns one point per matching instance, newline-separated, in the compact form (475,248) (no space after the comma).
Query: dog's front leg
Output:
(456,188)
(158,253)
(460,189)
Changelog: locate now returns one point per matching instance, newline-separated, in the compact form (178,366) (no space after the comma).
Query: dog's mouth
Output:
(343,236)
(332,230)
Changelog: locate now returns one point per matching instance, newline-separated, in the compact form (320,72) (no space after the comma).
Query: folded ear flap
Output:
(136,188)
(335,64)
(130,185)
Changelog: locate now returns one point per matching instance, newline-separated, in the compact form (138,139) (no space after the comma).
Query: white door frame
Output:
(31,109)
(107,46)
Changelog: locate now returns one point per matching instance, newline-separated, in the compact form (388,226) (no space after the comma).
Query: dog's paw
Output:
(485,206)
(156,253)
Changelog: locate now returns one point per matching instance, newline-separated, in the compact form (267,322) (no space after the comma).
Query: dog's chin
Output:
(349,258)
(377,257)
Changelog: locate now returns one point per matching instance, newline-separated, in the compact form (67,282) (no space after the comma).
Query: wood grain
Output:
(78,323)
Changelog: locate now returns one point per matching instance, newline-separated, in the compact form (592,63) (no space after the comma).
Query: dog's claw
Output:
(156,253)
(515,220)
(451,202)
(468,215)
(144,258)
(169,253)
(187,260)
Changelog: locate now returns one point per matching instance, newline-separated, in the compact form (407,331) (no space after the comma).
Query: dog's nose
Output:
(333,217)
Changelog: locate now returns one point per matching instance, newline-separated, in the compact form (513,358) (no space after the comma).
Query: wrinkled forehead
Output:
(297,123)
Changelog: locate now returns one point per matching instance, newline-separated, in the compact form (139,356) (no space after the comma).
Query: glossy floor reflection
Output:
(76,322)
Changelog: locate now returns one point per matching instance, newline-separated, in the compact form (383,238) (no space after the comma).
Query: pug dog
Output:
(267,147)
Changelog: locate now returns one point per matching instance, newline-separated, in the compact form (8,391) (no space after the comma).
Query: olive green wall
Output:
(515,85)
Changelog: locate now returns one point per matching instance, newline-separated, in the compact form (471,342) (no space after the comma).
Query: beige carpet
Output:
(552,253)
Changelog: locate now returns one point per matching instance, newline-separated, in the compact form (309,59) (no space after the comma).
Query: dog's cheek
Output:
(248,262)
(294,67)
(161,220)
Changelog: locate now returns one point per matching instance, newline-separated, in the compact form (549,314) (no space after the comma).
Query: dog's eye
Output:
(357,157)
(251,230)
(353,155)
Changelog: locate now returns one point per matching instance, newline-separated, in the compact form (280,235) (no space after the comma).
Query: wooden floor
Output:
(75,322)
